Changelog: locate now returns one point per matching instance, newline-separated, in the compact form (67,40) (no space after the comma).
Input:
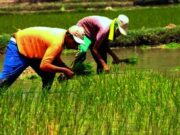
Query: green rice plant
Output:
(128,102)
(4,38)
(172,46)
(149,37)
(140,18)
(175,69)
(83,68)
(131,60)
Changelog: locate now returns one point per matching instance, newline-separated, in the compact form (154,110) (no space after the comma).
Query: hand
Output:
(69,74)
(106,68)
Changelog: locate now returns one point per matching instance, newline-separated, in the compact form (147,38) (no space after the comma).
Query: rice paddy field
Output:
(147,17)
(131,102)
(127,101)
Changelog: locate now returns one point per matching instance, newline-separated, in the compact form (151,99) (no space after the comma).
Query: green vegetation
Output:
(146,24)
(142,37)
(62,6)
(83,68)
(173,46)
(151,36)
(132,60)
(125,101)
(131,102)
(175,69)
(139,18)
(4,40)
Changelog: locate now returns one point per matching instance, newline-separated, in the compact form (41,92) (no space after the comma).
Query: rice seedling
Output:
(172,46)
(130,102)
(140,18)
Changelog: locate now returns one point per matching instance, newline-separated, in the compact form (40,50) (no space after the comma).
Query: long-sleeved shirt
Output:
(96,27)
(40,42)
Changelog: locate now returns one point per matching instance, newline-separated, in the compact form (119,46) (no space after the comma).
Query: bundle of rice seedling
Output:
(83,68)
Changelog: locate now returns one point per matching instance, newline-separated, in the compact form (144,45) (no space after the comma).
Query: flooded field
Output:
(166,60)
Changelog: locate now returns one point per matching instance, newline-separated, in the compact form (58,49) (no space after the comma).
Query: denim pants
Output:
(15,64)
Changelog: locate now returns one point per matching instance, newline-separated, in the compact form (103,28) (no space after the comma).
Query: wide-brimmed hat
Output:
(122,20)
(78,33)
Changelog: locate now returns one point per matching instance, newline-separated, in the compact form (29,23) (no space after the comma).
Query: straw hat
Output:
(121,21)
(78,33)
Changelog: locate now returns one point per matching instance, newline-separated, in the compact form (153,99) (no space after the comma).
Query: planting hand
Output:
(69,74)
(106,68)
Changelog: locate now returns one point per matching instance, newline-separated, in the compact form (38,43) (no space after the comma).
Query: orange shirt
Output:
(40,42)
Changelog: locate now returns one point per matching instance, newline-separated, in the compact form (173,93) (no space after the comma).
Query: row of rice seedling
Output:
(126,102)
(139,18)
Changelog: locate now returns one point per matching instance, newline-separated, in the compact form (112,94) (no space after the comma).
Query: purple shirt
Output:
(96,27)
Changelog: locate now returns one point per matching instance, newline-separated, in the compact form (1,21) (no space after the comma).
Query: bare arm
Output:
(58,62)
(116,60)
(97,45)
(47,62)
(98,56)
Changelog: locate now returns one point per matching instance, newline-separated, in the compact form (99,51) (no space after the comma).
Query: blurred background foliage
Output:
(136,2)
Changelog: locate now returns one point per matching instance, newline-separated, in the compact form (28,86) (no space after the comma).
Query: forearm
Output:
(113,55)
(62,64)
(58,62)
(53,68)
(99,58)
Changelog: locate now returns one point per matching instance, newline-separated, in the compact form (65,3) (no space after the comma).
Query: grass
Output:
(128,102)
(123,102)
(172,46)
(175,69)
(140,18)
(4,38)
(67,5)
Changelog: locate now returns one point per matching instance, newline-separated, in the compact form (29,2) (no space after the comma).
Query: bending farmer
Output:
(40,48)
(99,31)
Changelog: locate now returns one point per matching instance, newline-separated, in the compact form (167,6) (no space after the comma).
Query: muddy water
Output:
(158,59)
(166,60)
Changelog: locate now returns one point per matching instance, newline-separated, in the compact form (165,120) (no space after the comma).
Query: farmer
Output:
(40,48)
(99,31)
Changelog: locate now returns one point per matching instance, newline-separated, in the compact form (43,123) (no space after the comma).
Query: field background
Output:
(140,18)
(124,102)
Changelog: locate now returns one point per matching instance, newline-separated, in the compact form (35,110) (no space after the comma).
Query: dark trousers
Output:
(47,77)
